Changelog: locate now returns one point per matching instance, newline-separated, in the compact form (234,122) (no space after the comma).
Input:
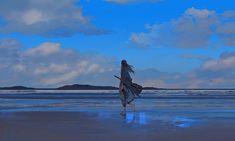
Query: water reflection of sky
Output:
(142,118)
(146,118)
(185,122)
(136,118)
(180,112)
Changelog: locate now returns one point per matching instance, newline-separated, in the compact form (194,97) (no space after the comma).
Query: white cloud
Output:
(200,13)
(19,68)
(94,68)
(52,68)
(33,16)
(214,73)
(9,50)
(45,18)
(44,49)
(154,83)
(194,29)
(73,73)
(55,66)
(224,63)
(229,14)
(141,39)
(48,65)
(227,32)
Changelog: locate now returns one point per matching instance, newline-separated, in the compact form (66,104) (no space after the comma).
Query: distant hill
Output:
(72,87)
(91,87)
(86,87)
(16,88)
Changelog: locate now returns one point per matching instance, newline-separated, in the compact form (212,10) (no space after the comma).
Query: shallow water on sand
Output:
(183,108)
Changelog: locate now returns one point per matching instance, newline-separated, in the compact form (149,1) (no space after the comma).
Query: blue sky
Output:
(181,40)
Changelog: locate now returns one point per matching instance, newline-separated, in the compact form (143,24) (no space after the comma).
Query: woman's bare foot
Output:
(123,113)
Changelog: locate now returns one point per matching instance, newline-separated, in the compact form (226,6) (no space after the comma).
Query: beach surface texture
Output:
(95,116)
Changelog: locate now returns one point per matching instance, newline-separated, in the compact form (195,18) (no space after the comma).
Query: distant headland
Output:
(71,87)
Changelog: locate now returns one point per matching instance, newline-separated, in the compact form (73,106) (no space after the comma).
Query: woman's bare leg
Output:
(123,112)
(132,104)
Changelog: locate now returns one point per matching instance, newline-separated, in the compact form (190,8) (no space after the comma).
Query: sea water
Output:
(183,107)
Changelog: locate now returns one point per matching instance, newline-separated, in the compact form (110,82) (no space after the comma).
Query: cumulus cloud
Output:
(9,50)
(131,1)
(50,65)
(194,29)
(229,14)
(227,32)
(45,18)
(155,83)
(215,73)
(44,49)
(226,62)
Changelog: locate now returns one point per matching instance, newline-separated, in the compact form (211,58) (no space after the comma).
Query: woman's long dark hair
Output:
(127,66)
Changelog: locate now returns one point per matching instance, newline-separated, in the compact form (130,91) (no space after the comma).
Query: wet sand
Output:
(110,126)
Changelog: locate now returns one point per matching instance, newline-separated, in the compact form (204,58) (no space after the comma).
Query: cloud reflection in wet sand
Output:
(136,118)
(185,122)
(146,118)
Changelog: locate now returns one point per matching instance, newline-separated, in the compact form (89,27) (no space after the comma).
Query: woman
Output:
(125,88)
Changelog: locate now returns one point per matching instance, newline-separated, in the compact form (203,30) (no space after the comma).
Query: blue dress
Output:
(125,94)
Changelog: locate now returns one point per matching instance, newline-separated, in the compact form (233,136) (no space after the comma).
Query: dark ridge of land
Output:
(73,87)
(17,88)
(86,87)
(92,87)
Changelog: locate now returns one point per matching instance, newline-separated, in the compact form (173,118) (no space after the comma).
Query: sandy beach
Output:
(85,116)
(86,126)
